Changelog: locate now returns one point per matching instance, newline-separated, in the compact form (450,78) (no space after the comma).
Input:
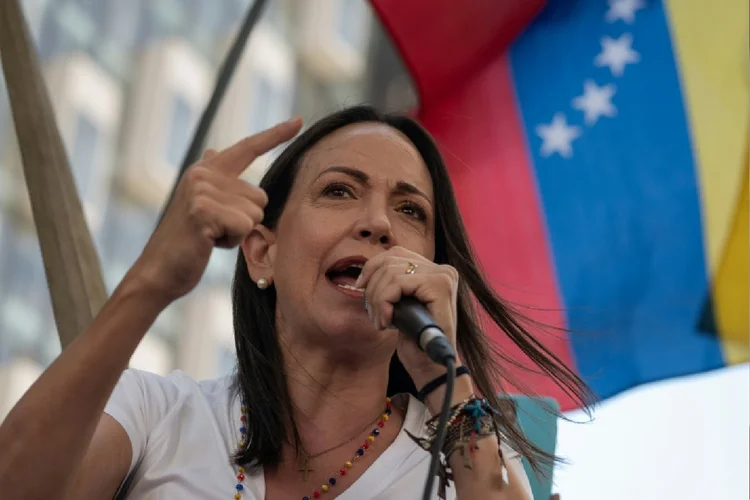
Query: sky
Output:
(685,439)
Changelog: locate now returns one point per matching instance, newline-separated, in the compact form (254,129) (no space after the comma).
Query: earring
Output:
(263,283)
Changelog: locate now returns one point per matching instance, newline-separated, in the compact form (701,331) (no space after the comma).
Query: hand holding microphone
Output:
(417,296)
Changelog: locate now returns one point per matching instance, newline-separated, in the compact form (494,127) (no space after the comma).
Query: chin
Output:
(357,334)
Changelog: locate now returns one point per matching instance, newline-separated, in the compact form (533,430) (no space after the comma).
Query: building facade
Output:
(128,81)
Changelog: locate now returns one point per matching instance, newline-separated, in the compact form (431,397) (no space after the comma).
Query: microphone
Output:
(412,318)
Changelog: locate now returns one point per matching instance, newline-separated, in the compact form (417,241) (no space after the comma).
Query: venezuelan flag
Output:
(599,153)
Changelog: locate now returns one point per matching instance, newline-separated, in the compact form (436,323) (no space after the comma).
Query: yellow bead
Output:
(348,465)
(237,496)
(243,409)
(384,417)
(324,488)
(387,400)
(371,439)
(241,469)
(240,443)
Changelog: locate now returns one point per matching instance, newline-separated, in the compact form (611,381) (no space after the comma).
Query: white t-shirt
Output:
(183,433)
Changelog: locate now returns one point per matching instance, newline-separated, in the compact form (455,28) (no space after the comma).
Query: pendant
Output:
(306,467)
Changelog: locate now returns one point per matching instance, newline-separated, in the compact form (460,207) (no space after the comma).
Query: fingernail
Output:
(358,283)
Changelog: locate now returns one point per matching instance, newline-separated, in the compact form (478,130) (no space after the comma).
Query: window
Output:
(124,236)
(118,20)
(270,105)
(25,309)
(52,39)
(220,269)
(77,23)
(84,154)
(262,104)
(180,127)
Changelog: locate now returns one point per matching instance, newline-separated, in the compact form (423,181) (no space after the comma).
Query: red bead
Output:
(366,445)
(381,423)
(342,472)
(316,494)
(240,477)
(243,418)
(389,405)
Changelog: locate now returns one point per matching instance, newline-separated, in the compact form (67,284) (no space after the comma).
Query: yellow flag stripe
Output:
(710,40)
(731,294)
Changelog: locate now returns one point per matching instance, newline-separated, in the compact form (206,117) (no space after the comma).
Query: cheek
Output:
(423,244)
(302,245)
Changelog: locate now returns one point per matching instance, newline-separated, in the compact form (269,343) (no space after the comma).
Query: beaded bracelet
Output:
(469,421)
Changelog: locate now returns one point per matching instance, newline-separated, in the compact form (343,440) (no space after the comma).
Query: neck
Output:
(332,399)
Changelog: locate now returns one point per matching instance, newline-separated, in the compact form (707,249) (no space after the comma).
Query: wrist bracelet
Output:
(470,421)
(438,381)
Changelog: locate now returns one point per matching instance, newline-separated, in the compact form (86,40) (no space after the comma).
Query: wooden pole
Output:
(72,266)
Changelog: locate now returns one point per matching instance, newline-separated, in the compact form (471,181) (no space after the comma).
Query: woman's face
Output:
(359,191)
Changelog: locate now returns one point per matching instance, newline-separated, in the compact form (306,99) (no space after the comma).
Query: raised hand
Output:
(211,207)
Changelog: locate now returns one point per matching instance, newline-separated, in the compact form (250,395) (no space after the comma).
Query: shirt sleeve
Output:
(139,403)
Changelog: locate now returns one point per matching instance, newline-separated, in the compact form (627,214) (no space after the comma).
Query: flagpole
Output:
(74,275)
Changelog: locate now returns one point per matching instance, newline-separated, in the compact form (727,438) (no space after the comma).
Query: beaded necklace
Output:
(240,487)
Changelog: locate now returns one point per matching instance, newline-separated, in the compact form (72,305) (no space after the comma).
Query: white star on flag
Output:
(595,102)
(617,53)
(623,10)
(558,136)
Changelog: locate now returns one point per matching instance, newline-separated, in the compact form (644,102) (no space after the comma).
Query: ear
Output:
(259,250)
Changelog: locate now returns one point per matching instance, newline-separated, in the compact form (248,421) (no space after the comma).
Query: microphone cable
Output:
(442,428)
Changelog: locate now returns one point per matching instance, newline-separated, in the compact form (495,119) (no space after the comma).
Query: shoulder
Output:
(142,400)
(146,404)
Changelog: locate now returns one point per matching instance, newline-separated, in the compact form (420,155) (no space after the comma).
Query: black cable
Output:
(222,82)
(437,445)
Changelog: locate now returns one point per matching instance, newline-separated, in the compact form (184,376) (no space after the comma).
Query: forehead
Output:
(379,150)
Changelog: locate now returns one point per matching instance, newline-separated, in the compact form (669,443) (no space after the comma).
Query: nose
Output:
(375,227)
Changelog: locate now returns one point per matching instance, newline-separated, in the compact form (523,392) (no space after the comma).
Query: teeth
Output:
(351,287)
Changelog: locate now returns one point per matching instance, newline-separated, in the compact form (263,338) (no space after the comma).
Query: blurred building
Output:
(128,80)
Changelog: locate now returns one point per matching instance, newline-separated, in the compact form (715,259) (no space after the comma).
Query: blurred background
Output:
(129,80)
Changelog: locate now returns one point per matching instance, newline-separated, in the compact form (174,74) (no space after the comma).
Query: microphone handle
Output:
(412,318)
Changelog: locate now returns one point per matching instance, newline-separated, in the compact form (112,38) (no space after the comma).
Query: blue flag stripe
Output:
(607,134)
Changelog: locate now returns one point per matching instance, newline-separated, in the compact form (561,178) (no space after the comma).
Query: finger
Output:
(208,154)
(428,287)
(202,175)
(235,159)
(382,292)
(225,225)
(232,196)
(252,193)
(379,280)
(376,262)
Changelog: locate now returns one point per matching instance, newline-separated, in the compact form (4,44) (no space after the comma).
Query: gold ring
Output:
(411,268)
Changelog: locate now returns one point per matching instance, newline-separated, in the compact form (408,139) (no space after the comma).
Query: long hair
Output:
(260,377)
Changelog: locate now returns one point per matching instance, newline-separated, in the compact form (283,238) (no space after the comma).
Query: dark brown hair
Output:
(261,379)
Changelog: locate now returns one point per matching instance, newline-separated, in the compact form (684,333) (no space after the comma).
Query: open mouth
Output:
(345,272)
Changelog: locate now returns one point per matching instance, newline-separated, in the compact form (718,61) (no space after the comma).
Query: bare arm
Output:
(51,427)
(46,440)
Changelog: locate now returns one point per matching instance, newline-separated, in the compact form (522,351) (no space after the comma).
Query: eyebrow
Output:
(361,177)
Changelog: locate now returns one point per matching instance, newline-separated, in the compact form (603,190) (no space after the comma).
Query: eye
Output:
(338,190)
(414,210)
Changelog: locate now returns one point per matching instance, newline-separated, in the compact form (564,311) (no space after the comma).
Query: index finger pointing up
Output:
(235,159)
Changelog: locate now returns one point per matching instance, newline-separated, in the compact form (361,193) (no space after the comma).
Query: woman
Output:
(358,209)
